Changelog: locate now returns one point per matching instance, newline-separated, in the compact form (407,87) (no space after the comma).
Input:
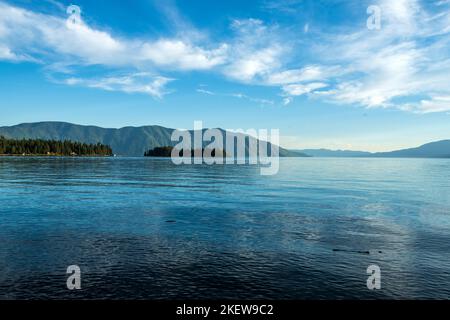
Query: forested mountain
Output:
(127,141)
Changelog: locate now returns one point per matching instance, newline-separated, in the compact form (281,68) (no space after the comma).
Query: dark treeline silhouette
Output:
(167,152)
(51,147)
(159,152)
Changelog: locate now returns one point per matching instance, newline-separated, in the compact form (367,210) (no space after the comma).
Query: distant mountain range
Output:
(334,153)
(134,141)
(438,149)
(128,141)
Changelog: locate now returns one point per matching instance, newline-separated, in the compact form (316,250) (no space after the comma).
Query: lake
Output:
(143,228)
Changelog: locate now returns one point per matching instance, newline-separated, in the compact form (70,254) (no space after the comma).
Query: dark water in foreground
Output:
(146,229)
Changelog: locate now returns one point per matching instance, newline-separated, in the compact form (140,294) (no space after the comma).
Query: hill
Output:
(437,149)
(127,141)
(334,153)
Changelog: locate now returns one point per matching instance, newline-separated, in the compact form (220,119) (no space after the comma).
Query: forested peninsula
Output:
(40,147)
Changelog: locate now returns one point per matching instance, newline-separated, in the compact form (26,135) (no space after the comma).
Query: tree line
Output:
(167,152)
(52,147)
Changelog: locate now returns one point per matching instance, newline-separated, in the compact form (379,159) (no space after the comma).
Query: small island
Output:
(166,152)
(40,147)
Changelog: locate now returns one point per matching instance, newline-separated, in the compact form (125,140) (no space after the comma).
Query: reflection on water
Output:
(146,229)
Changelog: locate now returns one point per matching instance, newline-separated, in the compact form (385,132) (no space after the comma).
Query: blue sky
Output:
(311,68)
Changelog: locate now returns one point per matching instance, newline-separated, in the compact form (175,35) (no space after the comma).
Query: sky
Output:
(341,74)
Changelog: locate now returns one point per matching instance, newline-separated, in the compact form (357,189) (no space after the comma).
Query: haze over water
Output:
(147,229)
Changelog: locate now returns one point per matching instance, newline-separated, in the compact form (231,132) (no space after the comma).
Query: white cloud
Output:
(435,104)
(301,89)
(180,55)
(252,64)
(259,101)
(252,99)
(307,73)
(442,2)
(51,37)
(6,54)
(287,101)
(402,14)
(256,51)
(64,47)
(374,69)
(132,83)
(388,74)
(204,91)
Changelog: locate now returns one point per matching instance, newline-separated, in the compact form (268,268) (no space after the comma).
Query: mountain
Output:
(127,141)
(334,153)
(438,149)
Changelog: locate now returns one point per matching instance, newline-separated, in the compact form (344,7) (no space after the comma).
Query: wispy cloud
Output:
(6,54)
(132,83)
(305,74)
(50,36)
(433,104)
(259,101)
(301,89)
(252,99)
(61,47)
(204,91)
(257,51)
(374,69)
(57,4)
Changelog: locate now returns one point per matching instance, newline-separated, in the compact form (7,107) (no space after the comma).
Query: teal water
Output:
(142,228)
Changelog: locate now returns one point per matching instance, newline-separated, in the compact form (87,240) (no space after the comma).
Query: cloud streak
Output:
(133,83)
(258,101)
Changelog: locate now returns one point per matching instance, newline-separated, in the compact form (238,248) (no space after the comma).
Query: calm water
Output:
(146,229)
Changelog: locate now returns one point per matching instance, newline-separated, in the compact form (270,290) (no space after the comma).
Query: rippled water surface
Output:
(147,229)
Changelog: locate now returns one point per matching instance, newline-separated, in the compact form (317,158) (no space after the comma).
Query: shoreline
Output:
(54,155)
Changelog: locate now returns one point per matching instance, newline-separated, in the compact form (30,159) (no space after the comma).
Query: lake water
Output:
(142,228)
